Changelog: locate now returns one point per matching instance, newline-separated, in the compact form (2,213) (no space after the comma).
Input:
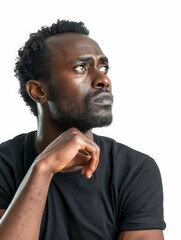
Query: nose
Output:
(101,81)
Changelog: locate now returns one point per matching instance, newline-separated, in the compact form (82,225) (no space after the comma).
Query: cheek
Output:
(70,86)
(77,91)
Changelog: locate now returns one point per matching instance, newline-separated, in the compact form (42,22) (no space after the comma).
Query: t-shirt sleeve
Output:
(142,204)
(16,156)
(6,182)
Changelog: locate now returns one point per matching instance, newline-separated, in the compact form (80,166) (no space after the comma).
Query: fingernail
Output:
(90,175)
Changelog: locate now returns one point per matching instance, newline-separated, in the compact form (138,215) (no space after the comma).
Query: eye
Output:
(104,69)
(81,68)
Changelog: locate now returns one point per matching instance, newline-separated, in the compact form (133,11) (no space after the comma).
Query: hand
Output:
(72,148)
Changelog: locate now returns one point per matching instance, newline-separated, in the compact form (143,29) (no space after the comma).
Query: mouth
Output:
(103,98)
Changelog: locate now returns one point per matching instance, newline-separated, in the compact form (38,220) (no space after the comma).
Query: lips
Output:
(103,98)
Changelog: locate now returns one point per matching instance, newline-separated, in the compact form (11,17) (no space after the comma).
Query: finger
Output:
(90,168)
(95,155)
(79,160)
(87,172)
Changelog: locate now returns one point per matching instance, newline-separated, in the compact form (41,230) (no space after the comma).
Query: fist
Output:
(71,149)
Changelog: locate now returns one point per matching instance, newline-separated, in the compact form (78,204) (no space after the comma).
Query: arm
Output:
(23,216)
(142,215)
(2,211)
(142,235)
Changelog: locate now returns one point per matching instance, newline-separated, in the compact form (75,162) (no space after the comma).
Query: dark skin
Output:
(78,68)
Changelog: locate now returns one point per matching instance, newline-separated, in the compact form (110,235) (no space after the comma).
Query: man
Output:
(62,181)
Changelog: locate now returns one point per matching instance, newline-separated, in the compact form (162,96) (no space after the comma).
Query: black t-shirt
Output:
(125,192)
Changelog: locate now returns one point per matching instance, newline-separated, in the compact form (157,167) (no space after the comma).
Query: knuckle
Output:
(73,129)
(75,138)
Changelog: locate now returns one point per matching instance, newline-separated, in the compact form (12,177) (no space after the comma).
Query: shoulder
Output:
(125,162)
(120,151)
(15,140)
(13,148)
(13,143)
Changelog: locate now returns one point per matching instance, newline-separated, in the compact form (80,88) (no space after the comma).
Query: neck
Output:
(46,134)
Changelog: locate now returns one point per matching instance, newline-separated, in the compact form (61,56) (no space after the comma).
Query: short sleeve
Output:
(5,185)
(142,204)
(16,156)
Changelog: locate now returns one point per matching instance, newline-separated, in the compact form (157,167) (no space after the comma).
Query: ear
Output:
(37,90)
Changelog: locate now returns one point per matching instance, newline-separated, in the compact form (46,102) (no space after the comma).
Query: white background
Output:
(143,42)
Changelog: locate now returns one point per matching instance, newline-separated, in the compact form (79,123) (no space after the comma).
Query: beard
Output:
(67,113)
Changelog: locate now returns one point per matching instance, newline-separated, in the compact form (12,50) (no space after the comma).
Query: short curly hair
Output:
(33,58)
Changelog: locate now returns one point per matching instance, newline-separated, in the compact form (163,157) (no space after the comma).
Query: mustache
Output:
(106,94)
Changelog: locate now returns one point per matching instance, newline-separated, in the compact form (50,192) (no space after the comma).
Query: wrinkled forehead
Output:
(73,43)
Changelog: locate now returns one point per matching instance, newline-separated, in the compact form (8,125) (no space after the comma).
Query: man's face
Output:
(80,90)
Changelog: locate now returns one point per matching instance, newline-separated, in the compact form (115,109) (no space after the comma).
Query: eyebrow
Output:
(102,59)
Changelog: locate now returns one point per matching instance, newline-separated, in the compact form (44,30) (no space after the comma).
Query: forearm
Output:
(22,219)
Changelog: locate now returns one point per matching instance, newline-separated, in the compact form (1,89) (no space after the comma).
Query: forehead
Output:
(73,45)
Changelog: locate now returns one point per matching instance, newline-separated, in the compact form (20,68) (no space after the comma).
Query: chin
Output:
(96,122)
(84,122)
